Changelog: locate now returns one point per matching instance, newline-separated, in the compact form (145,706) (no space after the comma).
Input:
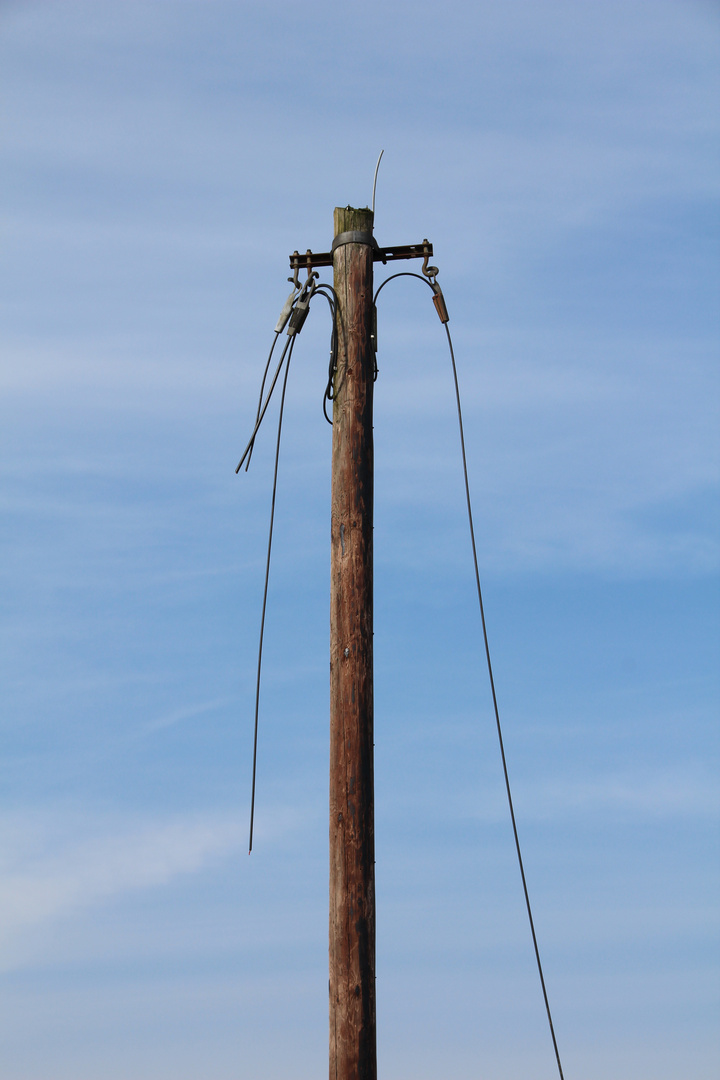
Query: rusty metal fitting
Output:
(439,302)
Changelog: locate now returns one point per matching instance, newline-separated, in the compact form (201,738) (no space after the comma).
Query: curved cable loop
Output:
(333,304)
(495,704)
(403,273)
(326,285)
(265,589)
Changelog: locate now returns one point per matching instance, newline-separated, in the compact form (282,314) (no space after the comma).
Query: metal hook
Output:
(296,268)
(429,271)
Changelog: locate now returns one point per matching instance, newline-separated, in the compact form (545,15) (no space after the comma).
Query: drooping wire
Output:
(291,342)
(490,670)
(495,707)
(262,390)
(331,296)
(263,410)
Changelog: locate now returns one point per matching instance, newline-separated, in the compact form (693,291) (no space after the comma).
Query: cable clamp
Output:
(285,313)
(439,301)
(302,306)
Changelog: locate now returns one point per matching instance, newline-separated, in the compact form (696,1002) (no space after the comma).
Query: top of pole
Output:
(350,219)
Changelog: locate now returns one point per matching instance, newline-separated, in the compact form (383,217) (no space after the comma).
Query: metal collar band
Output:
(356,237)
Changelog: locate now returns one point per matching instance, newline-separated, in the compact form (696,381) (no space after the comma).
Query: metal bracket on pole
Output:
(310,260)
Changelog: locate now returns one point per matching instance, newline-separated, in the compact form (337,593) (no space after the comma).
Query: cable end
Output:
(439,302)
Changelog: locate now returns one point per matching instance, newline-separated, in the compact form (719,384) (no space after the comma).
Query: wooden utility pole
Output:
(353,1053)
(352,831)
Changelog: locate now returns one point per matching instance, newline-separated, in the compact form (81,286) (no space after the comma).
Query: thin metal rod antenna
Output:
(375,180)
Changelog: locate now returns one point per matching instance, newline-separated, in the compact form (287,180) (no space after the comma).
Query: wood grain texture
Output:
(352,838)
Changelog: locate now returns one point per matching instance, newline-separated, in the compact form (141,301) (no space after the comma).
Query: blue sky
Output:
(160,161)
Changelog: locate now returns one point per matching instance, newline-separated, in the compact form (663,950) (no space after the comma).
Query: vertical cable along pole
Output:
(352,833)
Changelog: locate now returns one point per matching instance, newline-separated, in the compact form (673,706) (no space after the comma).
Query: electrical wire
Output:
(261,413)
(403,273)
(326,285)
(332,298)
(291,342)
(490,669)
(262,390)
(495,706)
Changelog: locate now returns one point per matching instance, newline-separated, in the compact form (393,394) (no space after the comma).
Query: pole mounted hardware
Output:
(312,259)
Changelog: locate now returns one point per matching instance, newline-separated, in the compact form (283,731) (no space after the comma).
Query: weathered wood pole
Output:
(352,833)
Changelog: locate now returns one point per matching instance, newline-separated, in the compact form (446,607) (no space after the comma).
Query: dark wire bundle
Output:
(293,315)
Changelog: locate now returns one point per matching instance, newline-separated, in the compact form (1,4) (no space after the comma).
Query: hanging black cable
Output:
(403,273)
(495,707)
(261,416)
(332,299)
(436,290)
(291,342)
(262,390)
(327,286)
(295,310)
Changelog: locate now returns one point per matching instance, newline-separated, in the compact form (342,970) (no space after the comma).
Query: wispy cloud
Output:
(189,712)
(640,796)
(643,796)
(55,864)
(48,871)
